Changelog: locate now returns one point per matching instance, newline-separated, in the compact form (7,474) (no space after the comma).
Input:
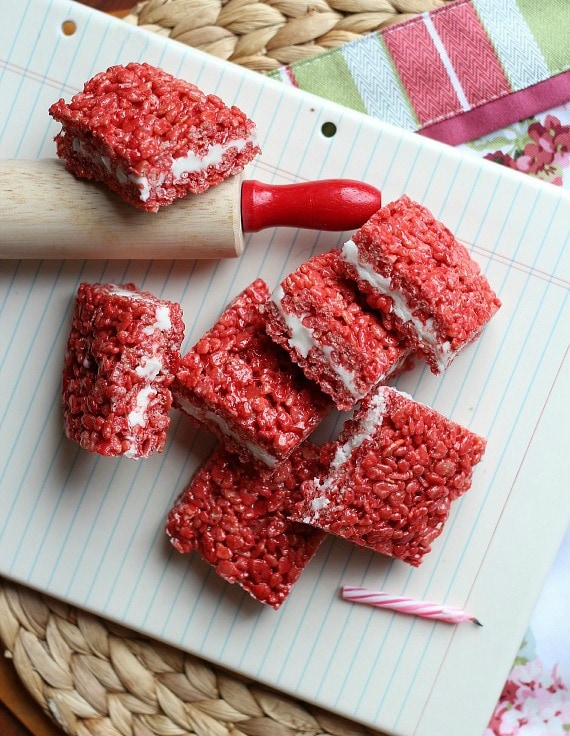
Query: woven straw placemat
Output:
(95,678)
(265,34)
(89,675)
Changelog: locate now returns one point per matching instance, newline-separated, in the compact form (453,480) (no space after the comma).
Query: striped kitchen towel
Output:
(455,73)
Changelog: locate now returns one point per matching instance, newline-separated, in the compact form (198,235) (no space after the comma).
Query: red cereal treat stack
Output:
(320,318)
(236,517)
(243,387)
(392,474)
(411,266)
(151,137)
(121,355)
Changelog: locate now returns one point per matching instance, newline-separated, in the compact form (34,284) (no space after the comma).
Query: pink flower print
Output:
(501,158)
(548,150)
(534,702)
(542,151)
(553,139)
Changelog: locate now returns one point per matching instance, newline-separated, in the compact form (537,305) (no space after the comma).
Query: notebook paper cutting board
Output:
(90,530)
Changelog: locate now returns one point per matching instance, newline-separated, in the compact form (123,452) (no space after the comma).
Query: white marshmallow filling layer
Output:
(205,416)
(180,168)
(368,425)
(425,331)
(301,338)
(149,368)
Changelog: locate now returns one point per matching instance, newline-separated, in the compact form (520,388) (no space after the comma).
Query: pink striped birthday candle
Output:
(410,606)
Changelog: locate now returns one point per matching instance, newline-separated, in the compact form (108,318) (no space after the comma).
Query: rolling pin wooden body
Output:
(47,212)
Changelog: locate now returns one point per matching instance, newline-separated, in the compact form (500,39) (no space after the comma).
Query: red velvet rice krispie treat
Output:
(121,355)
(243,387)
(320,318)
(392,474)
(411,265)
(151,137)
(236,517)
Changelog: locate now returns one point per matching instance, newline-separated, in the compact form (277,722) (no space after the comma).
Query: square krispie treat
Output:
(392,474)
(236,517)
(151,137)
(245,389)
(412,266)
(322,320)
(122,352)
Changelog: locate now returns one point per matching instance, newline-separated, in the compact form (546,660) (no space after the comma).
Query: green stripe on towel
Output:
(329,78)
(549,23)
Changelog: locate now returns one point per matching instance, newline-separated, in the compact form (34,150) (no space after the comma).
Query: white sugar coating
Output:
(426,332)
(209,417)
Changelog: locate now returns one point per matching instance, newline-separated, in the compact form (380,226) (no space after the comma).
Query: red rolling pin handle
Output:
(330,204)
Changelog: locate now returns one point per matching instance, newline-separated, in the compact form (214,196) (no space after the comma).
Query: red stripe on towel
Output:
(421,71)
(471,54)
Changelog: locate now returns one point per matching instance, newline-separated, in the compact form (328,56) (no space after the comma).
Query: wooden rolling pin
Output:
(46,212)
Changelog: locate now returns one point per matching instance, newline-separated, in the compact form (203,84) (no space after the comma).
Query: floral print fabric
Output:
(535,702)
(538,146)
